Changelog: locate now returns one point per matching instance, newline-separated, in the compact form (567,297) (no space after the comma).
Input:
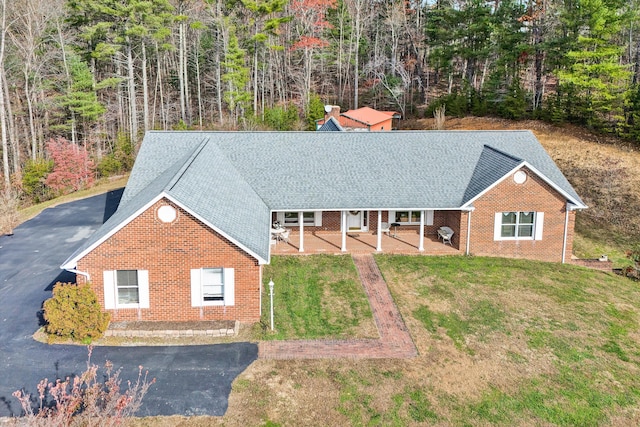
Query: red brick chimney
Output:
(331,111)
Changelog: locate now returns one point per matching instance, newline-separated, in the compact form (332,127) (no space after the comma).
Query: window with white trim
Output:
(126,289)
(212,286)
(310,218)
(518,225)
(410,217)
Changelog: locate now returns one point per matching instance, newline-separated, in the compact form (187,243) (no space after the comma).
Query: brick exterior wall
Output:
(533,195)
(169,252)
(331,222)
(594,264)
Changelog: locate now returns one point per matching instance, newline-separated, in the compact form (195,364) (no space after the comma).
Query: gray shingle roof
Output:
(492,165)
(232,180)
(331,125)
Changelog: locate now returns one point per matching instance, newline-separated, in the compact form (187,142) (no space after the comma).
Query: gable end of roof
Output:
(492,166)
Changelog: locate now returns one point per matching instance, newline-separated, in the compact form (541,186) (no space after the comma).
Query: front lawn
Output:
(532,342)
(501,342)
(315,297)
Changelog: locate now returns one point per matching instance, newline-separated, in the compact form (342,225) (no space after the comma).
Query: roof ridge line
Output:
(196,151)
(504,153)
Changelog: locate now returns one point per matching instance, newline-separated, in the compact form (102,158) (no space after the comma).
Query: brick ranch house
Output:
(193,228)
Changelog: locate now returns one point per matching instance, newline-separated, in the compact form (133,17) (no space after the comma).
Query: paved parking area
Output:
(190,380)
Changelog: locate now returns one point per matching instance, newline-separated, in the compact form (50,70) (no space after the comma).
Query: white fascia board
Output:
(217,230)
(573,207)
(72,264)
(538,173)
(570,198)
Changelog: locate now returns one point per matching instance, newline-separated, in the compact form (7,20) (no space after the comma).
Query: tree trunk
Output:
(219,86)
(133,108)
(12,128)
(3,119)
(120,100)
(27,95)
(163,114)
(198,81)
(145,88)
(68,76)
(181,76)
(538,38)
(255,71)
(185,71)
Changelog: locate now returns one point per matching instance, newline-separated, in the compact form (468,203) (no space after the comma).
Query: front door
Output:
(357,221)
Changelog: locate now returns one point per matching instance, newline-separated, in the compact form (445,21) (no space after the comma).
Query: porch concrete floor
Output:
(326,242)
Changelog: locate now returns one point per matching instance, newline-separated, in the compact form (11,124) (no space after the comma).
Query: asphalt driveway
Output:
(190,380)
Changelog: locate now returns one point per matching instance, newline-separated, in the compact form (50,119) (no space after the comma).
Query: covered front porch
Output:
(366,231)
(330,242)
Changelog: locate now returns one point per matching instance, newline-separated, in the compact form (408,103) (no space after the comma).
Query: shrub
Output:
(34,175)
(9,217)
(83,400)
(315,111)
(281,118)
(119,160)
(73,170)
(109,166)
(74,312)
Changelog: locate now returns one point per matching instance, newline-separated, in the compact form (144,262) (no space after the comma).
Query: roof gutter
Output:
(82,273)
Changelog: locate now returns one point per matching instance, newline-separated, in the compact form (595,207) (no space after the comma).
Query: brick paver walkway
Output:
(394,342)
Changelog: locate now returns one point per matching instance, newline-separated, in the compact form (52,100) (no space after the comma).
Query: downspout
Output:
(82,273)
(566,230)
(467,249)
(260,280)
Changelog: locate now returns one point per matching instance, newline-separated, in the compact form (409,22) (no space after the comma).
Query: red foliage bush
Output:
(73,170)
(84,400)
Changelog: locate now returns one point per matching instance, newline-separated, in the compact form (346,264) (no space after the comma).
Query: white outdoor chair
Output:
(284,236)
(445,233)
(384,228)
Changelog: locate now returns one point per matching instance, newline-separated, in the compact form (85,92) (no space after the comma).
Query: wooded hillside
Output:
(90,76)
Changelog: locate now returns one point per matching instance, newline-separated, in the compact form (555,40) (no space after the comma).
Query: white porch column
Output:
(343,221)
(379,245)
(301,224)
(421,239)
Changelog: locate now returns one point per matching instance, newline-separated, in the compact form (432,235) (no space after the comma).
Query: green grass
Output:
(316,297)
(592,241)
(99,188)
(357,401)
(584,322)
(482,318)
